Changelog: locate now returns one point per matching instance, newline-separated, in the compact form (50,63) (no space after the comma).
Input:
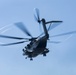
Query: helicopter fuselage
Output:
(36,47)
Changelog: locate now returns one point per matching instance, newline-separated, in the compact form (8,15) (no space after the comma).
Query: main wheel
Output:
(31,59)
(44,54)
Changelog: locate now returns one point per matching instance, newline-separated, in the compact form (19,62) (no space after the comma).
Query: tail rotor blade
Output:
(36,15)
(21,26)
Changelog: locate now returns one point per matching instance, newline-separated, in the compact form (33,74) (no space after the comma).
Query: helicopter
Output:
(37,45)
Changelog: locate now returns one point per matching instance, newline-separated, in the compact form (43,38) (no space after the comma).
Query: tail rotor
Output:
(37,15)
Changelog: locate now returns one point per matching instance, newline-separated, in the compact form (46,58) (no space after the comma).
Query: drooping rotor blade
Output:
(36,15)
(68,33)
(55,42)
(12,37)
(13,43)
(21,26)
(53,24)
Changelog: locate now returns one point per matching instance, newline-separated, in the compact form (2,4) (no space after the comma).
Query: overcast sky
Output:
(61,60)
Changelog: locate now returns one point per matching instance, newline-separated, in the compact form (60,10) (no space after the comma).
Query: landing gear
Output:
(44,54)
(30,56)
(31,59)
(23,50)
(25,57)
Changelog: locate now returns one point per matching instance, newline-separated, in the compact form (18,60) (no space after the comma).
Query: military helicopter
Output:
(37,45)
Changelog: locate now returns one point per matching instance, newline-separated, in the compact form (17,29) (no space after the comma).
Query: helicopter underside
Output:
(39,50)
(35,53)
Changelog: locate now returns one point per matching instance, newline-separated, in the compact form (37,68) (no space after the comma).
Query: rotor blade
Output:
(21,26)
(13,43)
(12,37)
(68,33)
(36,15)
(40,35)
(56,42)
(53,24)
